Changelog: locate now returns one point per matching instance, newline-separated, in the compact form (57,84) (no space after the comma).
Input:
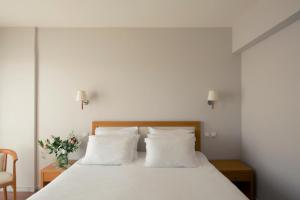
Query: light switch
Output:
(213,134)
(206,134)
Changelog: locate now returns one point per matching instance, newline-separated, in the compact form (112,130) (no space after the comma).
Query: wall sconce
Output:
(212,98)
(82,97)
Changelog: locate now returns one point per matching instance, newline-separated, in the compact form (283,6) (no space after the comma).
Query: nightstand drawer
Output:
(238,176)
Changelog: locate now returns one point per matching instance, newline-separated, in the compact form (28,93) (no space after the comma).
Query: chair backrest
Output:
(3,158)
(2,162)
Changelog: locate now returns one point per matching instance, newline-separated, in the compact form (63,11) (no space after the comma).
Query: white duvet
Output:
(136,182)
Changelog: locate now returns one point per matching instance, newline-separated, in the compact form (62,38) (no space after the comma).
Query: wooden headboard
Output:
(195,124)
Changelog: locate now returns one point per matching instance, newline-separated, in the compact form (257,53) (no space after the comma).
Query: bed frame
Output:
(195,124)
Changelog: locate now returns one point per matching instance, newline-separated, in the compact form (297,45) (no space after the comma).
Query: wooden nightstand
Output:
(239,173)
(50,172)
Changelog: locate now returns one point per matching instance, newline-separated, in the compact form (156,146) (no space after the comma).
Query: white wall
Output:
(261,18)
(17,100)
(270,113)
(130,74)
(140,74)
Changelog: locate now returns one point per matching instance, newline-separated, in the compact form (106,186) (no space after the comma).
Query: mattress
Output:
(136,182)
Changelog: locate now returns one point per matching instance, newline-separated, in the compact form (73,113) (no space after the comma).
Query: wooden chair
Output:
(8,179)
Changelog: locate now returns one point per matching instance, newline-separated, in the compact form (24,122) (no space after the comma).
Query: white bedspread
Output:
(136,182)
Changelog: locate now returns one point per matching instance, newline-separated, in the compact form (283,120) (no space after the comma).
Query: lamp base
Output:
(211,103)
(84,103)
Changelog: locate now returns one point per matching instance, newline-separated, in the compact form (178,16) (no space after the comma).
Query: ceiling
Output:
(122,13)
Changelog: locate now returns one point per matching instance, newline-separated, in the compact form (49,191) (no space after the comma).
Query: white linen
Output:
(136,182)
(103,130)
(122,131)
(108,150)
(170,151)
(170,134)
(176,131)
(144,132)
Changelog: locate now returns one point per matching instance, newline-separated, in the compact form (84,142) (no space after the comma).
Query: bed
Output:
(134,181)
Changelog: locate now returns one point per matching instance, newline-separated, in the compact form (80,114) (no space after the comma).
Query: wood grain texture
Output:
(195,124)
(50,172)
(230,165)
(12,183)
(20,195)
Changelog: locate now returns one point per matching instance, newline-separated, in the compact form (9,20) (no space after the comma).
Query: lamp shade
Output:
(81,95)
(212,95)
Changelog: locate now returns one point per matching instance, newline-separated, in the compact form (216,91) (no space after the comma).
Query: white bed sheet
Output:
(136,182)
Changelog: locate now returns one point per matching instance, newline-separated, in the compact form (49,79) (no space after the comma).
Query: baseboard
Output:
(21,189)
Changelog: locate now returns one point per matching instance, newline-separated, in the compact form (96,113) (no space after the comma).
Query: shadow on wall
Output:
(94,96)
(270,189)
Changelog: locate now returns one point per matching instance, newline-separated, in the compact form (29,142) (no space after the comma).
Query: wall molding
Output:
(36,75)
(293,18)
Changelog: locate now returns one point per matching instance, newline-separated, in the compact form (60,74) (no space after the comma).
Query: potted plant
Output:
(61,148)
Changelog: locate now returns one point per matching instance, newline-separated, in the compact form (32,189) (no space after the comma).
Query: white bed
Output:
(136,182)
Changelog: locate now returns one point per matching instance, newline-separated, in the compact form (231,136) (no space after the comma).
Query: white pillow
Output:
(171,131)
(108,150)
(168,135)
(122,131)
(102,130)
(170,152)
